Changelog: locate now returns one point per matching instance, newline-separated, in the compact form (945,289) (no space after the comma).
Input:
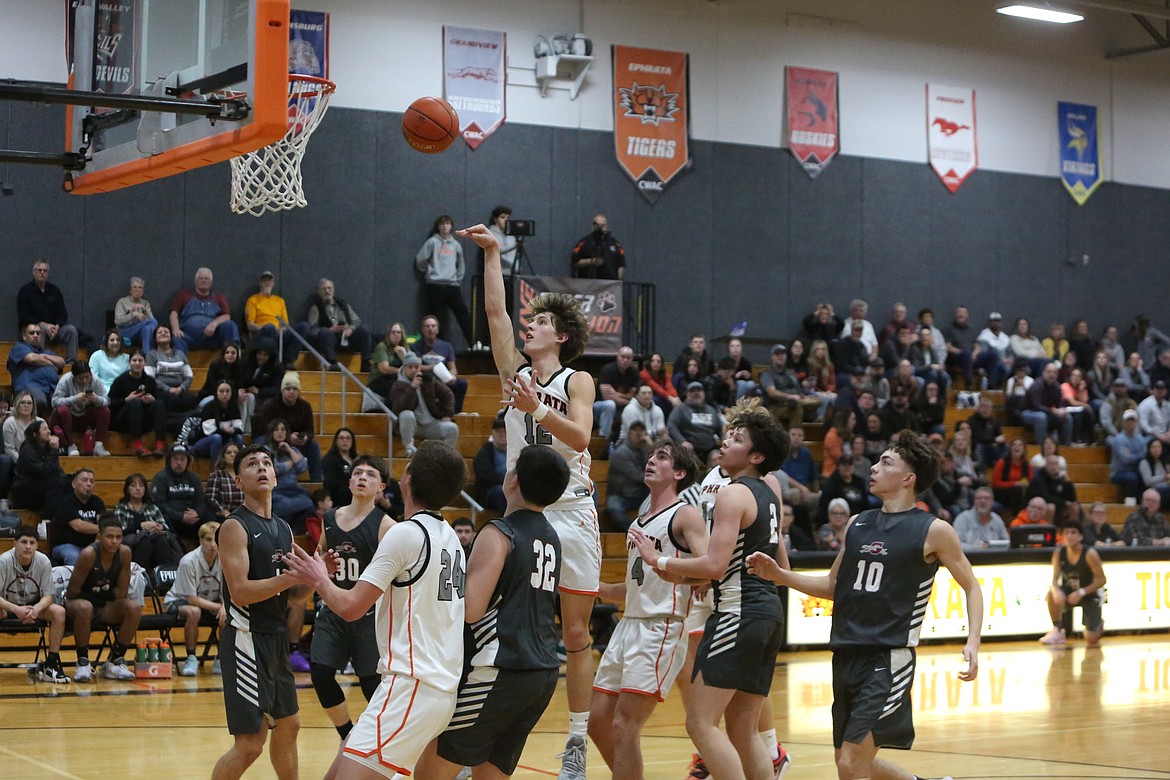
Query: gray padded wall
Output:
(743,235)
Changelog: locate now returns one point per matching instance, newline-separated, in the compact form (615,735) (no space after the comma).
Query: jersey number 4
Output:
(452,575)
(869,575)
(534,432)
(545,572)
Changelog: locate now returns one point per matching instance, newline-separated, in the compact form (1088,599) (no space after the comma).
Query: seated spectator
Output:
(231,368)
(144,529)
(1128,450)
(133,316)
(200,317)
(831,535)
(440,260)
(665,394)
(290,501)
(332,325)
(895,324)
(1010,477)
(387,359)
(1068,364)
(1098,531)
(1077,580)
(741,370)
(822,377)
(1154,414)
(626,489)
(170,367)
(1076,396)
(931,408)
(1015,393)
(264,374)
(1048,447)
(1153,470)
(836,437)
(696,425)
(858,448)
(876,437)
(1057,490)
(315,523)
(796,538)
(41,303)
(1134,375)
(823,324)
(24,411)
(960,342)
(851,352)
(1055,344)
(616,384)
(298,414)
(992,356)
(903,345)
(1146,527)
(222,423)
(39,479)
(465,532)
(697,349)
(178,492)
(979,526)
(1114,406)
(898,414)
(335,466)
(1047,409)
(798,359)
(265,314)
(720,386)
(223,495)
(905,380)
(1111,346)
(26,594)
(438,358)
(33,368)
(950,495)
(874,380)
(490,466)
(1081,343)
(844,483)
(109,362)
(424,405)
(643,409)
(932,367)
(1035,512)
(75,519)
(970,470)
(987,433)
(858,311)
(80,403)
(782,392)
(390,500)
(198,592)
(134,402)
(1026,348)
(1101,376)
(100,587)
(802,473)
(682,379)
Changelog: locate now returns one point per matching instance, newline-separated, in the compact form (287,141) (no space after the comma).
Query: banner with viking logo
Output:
(950,118)
(115,68)
(308,43)
(1080,154)
(651,106)
(601,303)
(812,117)
(473,80)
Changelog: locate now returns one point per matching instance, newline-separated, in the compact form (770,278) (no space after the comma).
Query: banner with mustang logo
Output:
(473,80)
(950,130)
(601,302)
(1080,154)
(812,117)
(651,109)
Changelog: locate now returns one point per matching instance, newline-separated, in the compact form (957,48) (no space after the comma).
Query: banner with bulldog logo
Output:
(950,130)
(651,109)
(1080,154)
(473,80)
(601,302)
(308,43)
(812,117)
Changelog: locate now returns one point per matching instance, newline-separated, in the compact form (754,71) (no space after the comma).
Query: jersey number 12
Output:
(534,432)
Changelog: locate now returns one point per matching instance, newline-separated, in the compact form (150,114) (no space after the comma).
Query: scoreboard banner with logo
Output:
(950,131)
(651,108)
(601,302)
(812,117)
(474,70)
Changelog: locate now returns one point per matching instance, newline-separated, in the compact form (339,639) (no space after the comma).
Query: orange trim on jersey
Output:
(579,592)
(606,691)
(382,742)
(658,656)
(410,624)
(636,692)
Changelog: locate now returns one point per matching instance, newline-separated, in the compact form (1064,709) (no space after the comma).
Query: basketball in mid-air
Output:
(430,125)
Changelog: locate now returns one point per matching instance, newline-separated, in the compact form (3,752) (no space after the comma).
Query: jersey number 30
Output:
(534,433)
(544,575)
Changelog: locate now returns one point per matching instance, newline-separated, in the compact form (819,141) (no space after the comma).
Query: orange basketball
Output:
(430,125)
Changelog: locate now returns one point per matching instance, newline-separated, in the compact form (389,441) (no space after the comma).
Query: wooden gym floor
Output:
(1033,713)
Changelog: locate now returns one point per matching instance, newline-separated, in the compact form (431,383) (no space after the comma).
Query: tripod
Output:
(520,259)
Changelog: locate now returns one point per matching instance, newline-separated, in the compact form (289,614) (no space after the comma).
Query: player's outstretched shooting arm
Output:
(508,358)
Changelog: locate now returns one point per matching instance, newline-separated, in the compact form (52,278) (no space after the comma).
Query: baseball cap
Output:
(778,348)
(876,362)
(267,275)
(411,359)
(1119,382)
(1159,385)
(858,325)
(1129,414)
(995,316)
(694,386)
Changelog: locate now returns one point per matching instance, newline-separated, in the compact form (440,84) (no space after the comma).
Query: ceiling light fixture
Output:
(1041,14)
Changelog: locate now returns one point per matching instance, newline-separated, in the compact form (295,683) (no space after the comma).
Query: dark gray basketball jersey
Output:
(738,592)
(518,630)
(355,548)
(268,539)
(883,583)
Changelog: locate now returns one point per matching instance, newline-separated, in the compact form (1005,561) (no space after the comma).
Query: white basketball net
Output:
(269,179)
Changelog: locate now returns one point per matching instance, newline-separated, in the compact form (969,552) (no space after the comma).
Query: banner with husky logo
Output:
(473,80)
(1080,155)
(812,117)
(950,130)
(115,61)
(308,43)
(601,302)
(651,109)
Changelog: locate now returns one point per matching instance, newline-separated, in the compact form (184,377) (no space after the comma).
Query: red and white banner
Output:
(651,108)
(812,117)
(950,131)
(473,80)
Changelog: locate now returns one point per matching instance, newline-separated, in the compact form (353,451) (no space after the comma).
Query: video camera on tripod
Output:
(520,228)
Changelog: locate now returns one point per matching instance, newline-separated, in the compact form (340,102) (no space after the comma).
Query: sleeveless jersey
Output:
(100,583)
(738,592)
(419,619)
(25,587)
(647,594)
(518,630)
(523,430)
(703,495)
(268,539)
(1074,575)
(355,547)
(883,583)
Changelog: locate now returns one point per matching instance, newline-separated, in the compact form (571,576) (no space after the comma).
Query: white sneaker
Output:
(116,670)
(216,668)
(73,451)
(84,671)
(573,759)
(51,674)
(410,451)
(464,774)
(190,667)
(1054,637)
(100,450)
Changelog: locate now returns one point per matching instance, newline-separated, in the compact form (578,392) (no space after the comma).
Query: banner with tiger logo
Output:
(812,117)
(950,131)
(651,110)
(474,71)
(1080,154)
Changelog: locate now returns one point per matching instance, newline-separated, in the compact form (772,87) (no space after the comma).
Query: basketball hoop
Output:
(269,179)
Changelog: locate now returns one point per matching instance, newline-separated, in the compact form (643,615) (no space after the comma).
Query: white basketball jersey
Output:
(647,594)
(419,619)
(716,480)
(522,430)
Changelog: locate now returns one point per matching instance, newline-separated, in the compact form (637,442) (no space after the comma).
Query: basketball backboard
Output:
(174,49)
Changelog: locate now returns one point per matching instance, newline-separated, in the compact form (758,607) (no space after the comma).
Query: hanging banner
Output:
(473,81)
(812,117)
(950,117)
(601,303)
(1080,154)
(651,108)
(115,62)
(308,43)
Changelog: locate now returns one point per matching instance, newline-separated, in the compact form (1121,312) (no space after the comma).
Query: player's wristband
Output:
(540,412)
(661,565)
(1081,591)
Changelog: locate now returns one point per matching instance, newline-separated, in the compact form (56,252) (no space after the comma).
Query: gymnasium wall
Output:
(743,235)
